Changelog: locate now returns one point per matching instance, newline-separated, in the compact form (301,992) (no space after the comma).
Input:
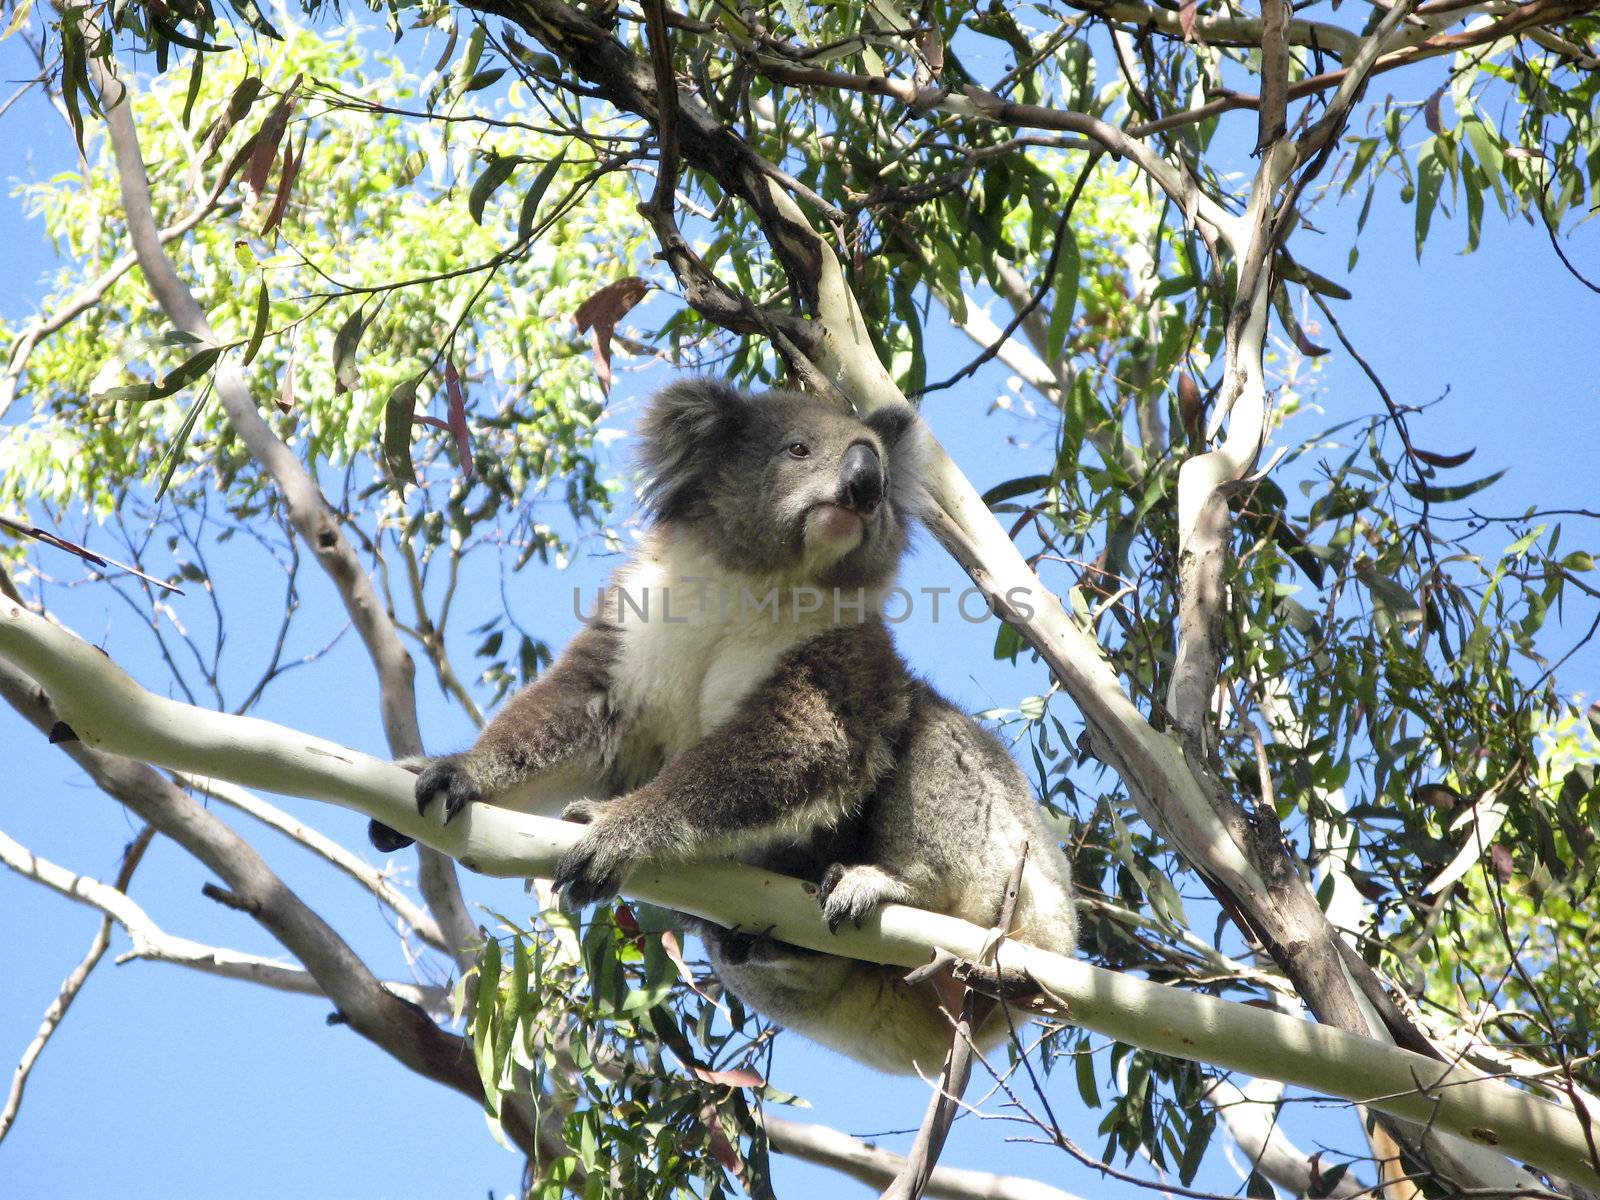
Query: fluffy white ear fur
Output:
(912,456)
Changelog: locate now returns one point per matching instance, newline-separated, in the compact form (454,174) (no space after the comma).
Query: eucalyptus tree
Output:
(1339,714)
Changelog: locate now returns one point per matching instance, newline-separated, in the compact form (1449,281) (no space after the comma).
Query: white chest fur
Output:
(696,640)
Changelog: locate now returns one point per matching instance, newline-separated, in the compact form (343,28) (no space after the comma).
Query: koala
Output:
(737,694)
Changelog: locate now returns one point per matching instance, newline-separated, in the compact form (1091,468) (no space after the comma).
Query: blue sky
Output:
(165,1082)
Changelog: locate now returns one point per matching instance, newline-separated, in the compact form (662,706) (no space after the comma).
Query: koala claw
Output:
(853,893)
(592,871)
(449,779)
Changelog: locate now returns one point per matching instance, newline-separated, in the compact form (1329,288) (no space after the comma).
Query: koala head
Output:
(782,484)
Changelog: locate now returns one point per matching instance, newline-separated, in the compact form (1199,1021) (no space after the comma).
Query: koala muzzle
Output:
(861,479)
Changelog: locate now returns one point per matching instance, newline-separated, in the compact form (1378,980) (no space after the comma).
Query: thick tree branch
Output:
(107,709)
(1226,30)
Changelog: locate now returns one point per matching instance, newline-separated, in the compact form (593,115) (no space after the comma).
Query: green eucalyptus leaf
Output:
(494,174)
(535,193)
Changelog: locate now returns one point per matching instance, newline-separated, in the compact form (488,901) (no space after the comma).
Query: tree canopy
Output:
(1309,725)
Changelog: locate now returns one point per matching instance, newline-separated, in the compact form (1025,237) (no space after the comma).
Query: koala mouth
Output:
(835,526)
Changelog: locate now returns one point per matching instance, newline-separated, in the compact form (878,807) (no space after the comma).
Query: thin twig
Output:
(71,986)
(83,552)
(1062,233)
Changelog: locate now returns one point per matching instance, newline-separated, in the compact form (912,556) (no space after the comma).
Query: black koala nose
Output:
(861,478)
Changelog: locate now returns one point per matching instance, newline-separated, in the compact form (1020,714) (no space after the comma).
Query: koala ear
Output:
(687,432)
(891,423)
(900,429)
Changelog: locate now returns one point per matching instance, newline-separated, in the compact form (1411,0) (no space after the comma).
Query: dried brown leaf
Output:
(1437,794)
(1500,860)
(286,178)
(600,314)
(1187,12)
(457,417)
(1444,460)
(721,1145)
(264,146)
(1430,110)
(1191,408)
(732,1077)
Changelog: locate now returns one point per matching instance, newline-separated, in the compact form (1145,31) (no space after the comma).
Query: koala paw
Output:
(386,839)
(593,870)
(854,893)
(735,947)
(450,780)
(584,812)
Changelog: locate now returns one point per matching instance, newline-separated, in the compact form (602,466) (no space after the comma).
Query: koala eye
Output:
(799,450)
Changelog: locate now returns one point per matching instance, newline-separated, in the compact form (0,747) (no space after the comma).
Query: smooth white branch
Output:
(876,1166)
(1251,1116)
(107,709)
(155,944)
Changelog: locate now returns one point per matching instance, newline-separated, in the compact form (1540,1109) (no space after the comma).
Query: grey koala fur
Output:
(696,716)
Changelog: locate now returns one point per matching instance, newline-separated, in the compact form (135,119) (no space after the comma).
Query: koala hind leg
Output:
(859,1009)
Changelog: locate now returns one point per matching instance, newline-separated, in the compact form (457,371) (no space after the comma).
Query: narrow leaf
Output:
(1430,110)
(397,421)
(265,151)
(346,376)
(1012,488)
(468,66)
(285,397)
(286,178)
(1390,595)
(1187,11)
(732,1077)
(600,314)
(496,173)
(457,416)
(1437,494)
(259,329)
(1064,300)
(173,381)
(19,18)
(1444,460)
(1291,323)
(1191,408)
(174,454)
(483,1024)
(1430,178)
(196,74)
(483,79)
(530,202)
